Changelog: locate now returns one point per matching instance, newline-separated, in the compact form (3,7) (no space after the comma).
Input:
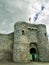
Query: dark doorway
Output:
(33,54)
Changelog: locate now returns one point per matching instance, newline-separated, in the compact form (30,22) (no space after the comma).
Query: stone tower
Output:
(30,39)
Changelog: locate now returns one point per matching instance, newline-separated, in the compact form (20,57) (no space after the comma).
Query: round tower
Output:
(43,41)
(21,47)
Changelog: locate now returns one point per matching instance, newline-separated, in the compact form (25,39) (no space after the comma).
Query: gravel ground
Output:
(32,63)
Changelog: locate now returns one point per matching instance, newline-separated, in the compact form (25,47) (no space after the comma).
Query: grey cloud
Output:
(12,11)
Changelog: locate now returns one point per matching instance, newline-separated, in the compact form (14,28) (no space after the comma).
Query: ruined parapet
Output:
(6,47)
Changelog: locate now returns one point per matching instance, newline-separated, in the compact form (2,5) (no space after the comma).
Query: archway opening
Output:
(32,51)
(33,54)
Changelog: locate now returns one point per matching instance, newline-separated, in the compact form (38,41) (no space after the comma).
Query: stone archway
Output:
(33,52)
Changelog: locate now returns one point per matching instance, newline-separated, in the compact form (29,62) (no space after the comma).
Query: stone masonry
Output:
(25,40)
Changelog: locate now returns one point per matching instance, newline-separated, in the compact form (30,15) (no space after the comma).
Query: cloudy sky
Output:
(12,11)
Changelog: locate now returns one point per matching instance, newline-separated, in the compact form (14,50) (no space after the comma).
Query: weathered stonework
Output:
(26,34)
(6,47)
(26,39)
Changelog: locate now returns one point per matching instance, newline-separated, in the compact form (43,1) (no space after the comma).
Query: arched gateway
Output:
(33,52)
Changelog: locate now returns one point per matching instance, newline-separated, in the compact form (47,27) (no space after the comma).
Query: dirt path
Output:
(33,63)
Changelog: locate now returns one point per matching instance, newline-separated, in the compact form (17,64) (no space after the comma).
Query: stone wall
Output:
(43,41)
(16,46)
(21,46)
(6,47)
(24,34)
